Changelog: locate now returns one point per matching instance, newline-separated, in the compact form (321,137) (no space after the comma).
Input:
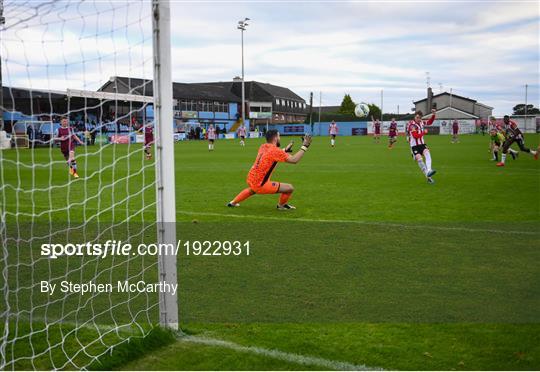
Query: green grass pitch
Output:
(375,268)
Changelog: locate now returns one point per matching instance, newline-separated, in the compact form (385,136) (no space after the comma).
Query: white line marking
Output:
(281,355)
(359,222)
(300,219)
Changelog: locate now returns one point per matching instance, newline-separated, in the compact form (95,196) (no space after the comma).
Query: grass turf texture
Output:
(104,350)
(390,251)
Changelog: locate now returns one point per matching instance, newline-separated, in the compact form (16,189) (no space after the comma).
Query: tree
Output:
(374,111)
(520,109)
(347,105)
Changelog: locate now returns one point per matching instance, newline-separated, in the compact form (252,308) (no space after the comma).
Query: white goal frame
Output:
(164,150)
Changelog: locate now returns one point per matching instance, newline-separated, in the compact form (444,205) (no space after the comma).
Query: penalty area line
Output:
(370,223)
(281,355)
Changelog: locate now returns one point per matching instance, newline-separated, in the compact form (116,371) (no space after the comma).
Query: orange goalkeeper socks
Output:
(244,194)
(283,198)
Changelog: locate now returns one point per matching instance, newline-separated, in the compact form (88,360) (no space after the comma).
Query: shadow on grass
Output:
(38,346)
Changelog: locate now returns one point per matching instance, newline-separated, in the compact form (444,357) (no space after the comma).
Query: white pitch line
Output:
(281,355)
(359,222)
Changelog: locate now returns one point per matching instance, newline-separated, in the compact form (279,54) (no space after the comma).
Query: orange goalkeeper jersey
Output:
(267,158)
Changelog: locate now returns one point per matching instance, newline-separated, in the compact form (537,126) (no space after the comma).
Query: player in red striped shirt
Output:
(333,131)
(242,134)
(514,134)
(419,149)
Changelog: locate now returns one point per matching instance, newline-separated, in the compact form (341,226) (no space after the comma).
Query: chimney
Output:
(429,100)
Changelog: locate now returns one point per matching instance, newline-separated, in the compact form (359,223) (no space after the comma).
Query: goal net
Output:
(80,82)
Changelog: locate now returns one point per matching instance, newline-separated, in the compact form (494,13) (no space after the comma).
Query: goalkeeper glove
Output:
(306,140)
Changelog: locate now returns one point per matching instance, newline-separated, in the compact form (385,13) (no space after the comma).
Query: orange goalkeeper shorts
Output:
(270,187)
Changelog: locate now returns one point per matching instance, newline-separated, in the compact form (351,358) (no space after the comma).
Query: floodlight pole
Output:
(242,27)
(164,149)
(243,83)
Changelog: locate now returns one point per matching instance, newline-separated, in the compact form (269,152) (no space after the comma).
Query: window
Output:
(204,106)
(221,107)
(266,109)
(188,105)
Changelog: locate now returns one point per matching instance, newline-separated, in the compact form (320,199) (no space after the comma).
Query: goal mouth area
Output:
(38,345)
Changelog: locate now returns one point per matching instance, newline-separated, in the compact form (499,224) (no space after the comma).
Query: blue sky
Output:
(486,50)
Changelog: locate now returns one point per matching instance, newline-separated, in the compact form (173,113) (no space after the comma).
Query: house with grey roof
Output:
(452,106)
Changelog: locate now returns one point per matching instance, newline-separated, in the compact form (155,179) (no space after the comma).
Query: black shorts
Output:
(517,139)
(242,137)
(211,140)
(419,149)
(333,136)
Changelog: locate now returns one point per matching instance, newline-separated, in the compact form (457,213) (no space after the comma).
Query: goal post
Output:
(74,285)
(164,149)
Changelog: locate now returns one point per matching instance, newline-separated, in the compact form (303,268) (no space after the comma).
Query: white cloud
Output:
(478,49)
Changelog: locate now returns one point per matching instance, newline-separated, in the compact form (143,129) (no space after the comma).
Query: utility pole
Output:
(320,105)
(311,109)
(526,88)
(382,100)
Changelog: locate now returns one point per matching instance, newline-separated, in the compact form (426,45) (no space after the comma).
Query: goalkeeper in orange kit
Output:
(258,178)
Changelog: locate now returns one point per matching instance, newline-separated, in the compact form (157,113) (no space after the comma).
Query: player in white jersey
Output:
(242,134)
(333,131)
(211,134)
(416,131)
